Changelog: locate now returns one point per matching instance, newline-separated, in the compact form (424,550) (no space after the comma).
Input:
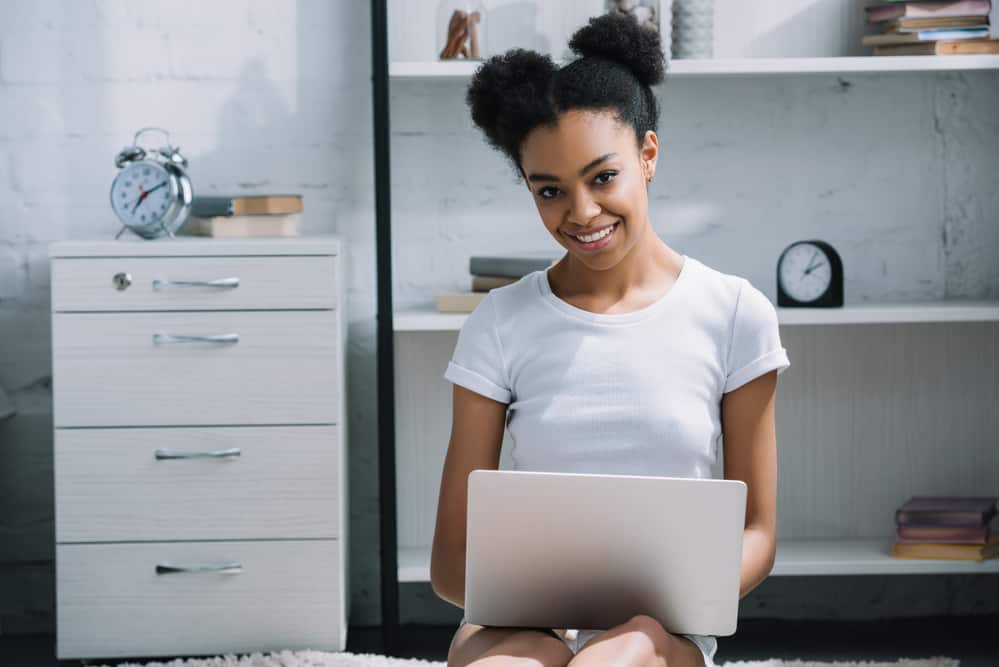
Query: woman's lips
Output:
(599,243)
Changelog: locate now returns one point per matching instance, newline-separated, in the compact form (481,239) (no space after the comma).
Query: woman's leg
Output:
(480,646)
(641,642)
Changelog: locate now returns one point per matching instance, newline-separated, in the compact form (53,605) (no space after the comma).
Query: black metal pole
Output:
(386,370)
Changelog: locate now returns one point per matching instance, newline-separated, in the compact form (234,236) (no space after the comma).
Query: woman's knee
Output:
(525,648)
(649,643)
(647,637)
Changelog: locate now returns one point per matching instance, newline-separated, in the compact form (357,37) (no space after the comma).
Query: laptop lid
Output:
(588,551)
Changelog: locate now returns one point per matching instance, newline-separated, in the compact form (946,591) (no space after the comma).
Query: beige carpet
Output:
(321,659)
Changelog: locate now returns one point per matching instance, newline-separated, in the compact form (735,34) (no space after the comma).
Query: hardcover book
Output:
(225,205)
(888,11)
(908,25)
(915,533)
(948,551)
(486,283)
(516,266)
(947,510)
(942,48)
(459,302)
(244,226)
(918,36)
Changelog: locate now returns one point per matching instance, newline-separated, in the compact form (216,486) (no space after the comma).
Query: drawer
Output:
(112,603)
(88,284)
(282,368)
(239,483)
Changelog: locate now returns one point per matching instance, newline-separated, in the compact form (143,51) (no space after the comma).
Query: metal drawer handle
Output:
(223,568)
(231,283)
(166,454)
(160,338)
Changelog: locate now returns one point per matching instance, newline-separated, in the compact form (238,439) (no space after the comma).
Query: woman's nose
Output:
(582,208)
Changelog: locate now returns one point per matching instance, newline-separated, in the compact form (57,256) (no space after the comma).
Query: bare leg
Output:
(478,646)
(641,642)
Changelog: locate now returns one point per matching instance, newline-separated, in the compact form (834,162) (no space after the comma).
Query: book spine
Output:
(486,283)
(507,267)
(893,10)
(954,519)
(210,207)
(969,535)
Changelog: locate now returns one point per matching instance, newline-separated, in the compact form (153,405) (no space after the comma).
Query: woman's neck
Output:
(640,278)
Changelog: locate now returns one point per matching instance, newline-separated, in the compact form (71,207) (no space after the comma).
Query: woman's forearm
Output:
(448,582)
(758,553)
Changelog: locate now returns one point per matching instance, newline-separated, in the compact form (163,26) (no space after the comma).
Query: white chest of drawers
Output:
(200,446)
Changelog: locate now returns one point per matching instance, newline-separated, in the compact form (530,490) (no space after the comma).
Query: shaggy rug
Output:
(321,659)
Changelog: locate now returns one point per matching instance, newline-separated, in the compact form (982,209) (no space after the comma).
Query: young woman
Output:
(626,357)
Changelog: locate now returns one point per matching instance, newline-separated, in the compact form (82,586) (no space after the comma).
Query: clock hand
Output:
(157,187)
(142,198)
(817,266)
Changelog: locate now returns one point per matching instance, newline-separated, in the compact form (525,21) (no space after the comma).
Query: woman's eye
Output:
(548,192)
(605,177)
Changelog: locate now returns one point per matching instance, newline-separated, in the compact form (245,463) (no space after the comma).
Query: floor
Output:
(964,638)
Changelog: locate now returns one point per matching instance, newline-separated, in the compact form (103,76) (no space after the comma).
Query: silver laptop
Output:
(570,550)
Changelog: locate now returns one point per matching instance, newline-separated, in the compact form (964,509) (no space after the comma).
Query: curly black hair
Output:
(619,61)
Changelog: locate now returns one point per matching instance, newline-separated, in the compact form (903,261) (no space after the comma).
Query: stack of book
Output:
(946,527)
(489,273)
(931,28)
(243,216)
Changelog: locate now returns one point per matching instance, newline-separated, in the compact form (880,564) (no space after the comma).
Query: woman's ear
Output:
(649,153)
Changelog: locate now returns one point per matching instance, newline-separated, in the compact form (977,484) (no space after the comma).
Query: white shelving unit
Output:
(956,311)
(833,419)
(794,558)
(743,66)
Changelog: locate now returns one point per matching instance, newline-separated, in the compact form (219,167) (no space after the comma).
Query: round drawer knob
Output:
(122,281)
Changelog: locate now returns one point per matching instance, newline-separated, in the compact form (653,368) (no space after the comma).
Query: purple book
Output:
(889,11)
(947,510)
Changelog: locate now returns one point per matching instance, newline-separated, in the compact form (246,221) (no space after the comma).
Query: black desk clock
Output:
(810,275)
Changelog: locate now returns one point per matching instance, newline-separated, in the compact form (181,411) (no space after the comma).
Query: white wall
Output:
(260,97)
(897,171)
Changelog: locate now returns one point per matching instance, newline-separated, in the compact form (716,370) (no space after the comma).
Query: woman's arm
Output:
(476,439)
(750,441)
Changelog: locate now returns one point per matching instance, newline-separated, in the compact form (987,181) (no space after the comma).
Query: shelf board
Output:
(464,69)
(943,311)
(794,558)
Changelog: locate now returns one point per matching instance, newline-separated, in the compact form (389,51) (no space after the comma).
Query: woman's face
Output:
(588,180)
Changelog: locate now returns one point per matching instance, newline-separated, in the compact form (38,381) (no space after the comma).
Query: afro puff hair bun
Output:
(508,96)
(513,93)
(620,38)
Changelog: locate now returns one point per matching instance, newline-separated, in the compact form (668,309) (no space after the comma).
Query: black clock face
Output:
(805,272)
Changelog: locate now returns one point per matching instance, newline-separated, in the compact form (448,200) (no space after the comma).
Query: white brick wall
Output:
(897,171)
(260,96)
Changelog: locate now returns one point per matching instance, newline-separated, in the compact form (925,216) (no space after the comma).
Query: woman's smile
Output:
(594,240)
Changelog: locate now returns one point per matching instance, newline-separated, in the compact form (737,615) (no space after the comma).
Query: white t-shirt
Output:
(631,393)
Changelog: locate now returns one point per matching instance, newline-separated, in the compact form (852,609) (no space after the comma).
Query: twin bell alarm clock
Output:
(151,195)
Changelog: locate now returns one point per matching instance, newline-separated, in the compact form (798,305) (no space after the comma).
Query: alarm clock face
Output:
(805,272)
(143,193)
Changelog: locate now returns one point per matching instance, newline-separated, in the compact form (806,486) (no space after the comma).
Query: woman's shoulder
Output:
(736,295)
(714,284)
(509,299)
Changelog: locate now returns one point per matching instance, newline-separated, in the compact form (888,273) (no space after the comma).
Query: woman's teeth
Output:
(596,237)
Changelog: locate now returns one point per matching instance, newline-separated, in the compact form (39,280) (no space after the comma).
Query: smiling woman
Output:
(583,138)
(625,357)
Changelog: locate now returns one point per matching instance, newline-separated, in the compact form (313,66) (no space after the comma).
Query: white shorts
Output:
(576,639)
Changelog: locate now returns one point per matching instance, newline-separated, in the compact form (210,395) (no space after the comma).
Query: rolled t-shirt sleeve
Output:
(477,362)
(755,347)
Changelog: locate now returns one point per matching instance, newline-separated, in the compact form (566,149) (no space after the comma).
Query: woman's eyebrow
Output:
(582,172)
